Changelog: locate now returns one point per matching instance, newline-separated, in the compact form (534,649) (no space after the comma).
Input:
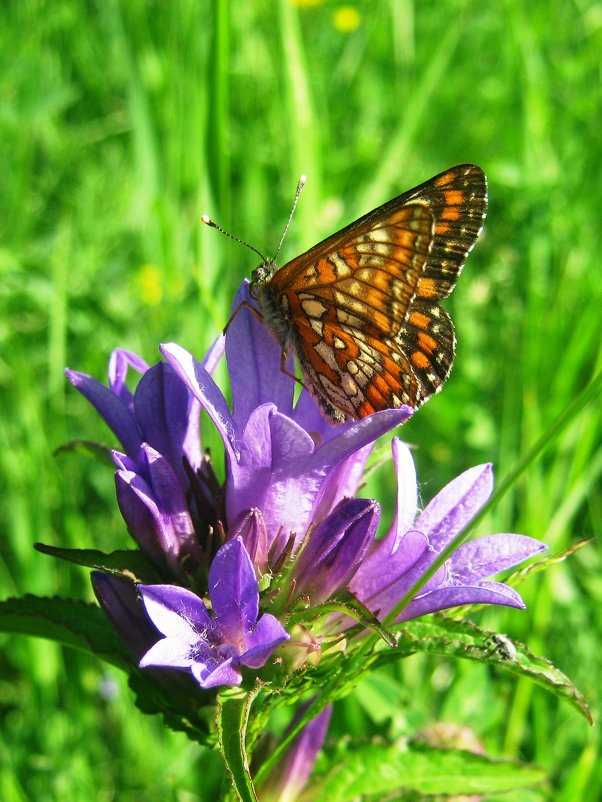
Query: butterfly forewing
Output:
(360,309)
(458,200)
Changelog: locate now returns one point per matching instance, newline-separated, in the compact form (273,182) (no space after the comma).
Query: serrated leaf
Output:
(91,446)
(233,709)
(183,705)
(130,564)
(377,769)
(543,563)
(441,635)
(77,624)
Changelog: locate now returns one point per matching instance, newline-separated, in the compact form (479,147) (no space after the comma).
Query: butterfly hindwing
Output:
(428,339)
(349,365)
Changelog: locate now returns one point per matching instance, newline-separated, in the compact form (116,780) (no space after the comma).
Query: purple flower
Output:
(282,458)
(413,543)
(214,647)
(118,598)
(165,487)
(287,509)
(292,772)
(335,550)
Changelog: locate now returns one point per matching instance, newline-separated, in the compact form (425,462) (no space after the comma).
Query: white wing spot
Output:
(379,235)
(341,268)
(313,308)
(317,326)
(327,354)
(349,385)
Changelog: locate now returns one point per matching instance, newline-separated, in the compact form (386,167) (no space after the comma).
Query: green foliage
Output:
(446,637)
(120,123)
(234,708)
(130,564)
(71,623)
(375,771)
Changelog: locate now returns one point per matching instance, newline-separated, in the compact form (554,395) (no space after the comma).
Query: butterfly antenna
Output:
(209,222)
(300,185)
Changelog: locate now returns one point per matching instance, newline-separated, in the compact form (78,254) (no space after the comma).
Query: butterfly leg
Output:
(258,315)
(283,358)
(242,305)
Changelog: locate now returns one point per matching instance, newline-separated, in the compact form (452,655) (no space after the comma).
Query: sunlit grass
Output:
(119,127)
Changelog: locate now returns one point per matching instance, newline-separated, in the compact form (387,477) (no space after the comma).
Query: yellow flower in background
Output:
(305,3)
(149,281)
(346,19)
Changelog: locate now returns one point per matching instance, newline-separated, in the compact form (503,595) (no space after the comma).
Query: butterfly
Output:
(360,310)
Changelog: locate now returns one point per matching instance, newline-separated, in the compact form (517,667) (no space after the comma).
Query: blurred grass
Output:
(120,123)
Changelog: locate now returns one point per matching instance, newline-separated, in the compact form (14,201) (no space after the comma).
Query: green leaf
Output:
(184,706)
(439,634)
(90,446)
(175,696)
(233,709)
(377,769)
(72,623)
(543,563)
(131,564)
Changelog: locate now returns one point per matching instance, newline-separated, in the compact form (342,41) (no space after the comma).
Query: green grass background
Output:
(120,123)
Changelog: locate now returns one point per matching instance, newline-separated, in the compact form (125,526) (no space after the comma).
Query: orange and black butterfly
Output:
(361,310)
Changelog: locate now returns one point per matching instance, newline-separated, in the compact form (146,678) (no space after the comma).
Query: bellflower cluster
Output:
(284,529)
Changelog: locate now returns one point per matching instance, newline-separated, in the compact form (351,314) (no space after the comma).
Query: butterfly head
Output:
(263,273)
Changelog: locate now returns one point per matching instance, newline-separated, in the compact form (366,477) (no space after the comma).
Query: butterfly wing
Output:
(353,369)
(457,199)
(361,308)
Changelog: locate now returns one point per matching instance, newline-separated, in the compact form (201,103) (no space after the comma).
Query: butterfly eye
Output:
(263,273)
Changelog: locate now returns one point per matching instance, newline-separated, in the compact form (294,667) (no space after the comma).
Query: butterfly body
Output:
(360,310)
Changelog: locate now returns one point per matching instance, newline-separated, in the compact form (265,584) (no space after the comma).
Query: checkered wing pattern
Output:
(361,309)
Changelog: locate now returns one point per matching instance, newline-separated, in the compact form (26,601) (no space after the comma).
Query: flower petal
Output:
(252,531)
(308,415)
(259,644)
(486,556)
(165,530)
(215,674)
(336,549)
(455,506)
(175,611)
(178,537)
(115,413)
(357,434)
(119,363)
(342,482)
(205,390)
(168,653)
(253,357)
(286,781)
(383,578)
(214,354)
(168,416)
(407,490)
(119,599)
(140,514)
(273,473)
(282,472)
(233,591)
(456,596)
